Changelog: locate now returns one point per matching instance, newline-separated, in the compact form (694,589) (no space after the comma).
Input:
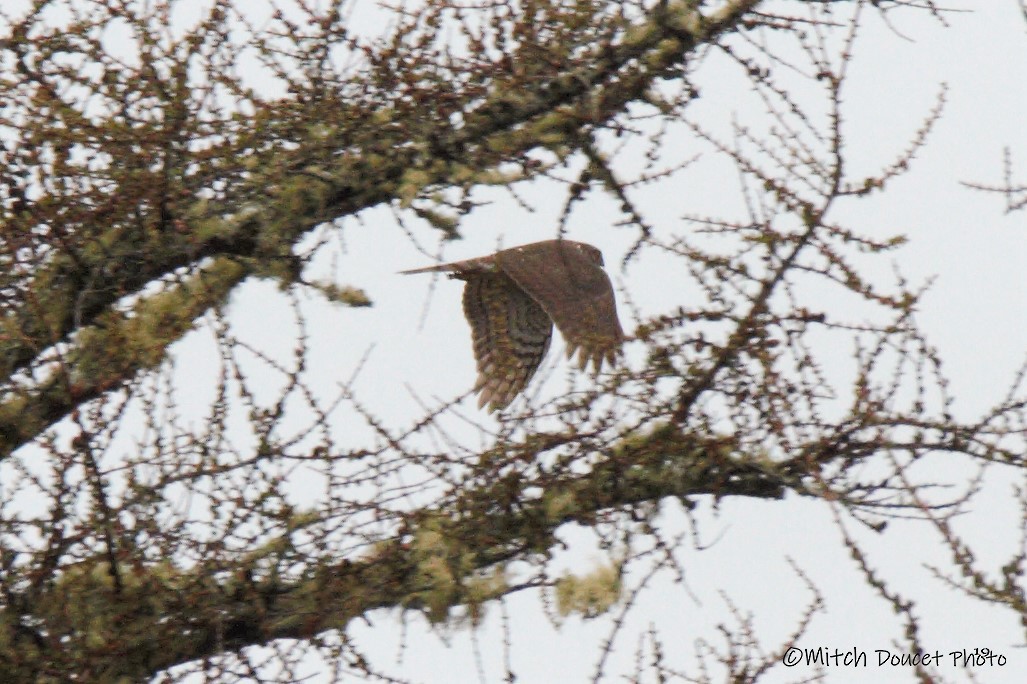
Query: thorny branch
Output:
(139,189)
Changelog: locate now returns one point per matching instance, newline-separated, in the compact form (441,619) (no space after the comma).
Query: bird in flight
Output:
(512,299)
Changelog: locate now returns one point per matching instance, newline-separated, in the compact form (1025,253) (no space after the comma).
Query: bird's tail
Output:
(441,268)
(457,268)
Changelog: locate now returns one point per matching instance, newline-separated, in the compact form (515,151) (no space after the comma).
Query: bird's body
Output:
(512,299)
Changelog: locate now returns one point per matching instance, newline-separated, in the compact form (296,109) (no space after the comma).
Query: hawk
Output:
(512,299)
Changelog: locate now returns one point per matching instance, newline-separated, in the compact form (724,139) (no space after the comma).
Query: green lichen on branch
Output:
(589,595)
(111,351)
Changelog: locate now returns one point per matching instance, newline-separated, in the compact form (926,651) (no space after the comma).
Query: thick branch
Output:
(110,352)
(488,526)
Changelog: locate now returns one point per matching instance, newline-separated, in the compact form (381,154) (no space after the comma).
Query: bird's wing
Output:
(576,293)
(511,334)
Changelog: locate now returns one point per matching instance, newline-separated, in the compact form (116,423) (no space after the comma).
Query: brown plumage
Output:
(512,299)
